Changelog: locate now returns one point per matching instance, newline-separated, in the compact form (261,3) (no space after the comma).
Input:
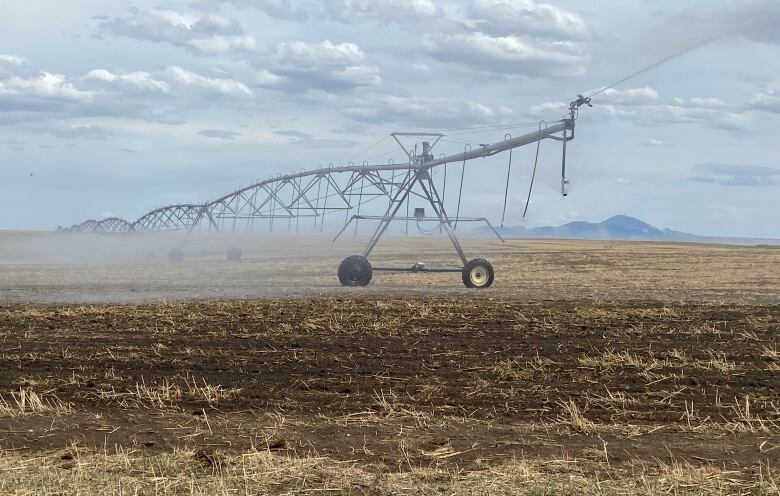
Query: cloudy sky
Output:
(112,107)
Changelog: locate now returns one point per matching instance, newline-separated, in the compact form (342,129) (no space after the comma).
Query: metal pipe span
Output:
(415,164)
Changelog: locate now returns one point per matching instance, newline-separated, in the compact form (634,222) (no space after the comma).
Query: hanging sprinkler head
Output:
(579,102)
(574,107)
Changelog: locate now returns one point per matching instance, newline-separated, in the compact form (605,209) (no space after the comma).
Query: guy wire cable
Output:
(672,56)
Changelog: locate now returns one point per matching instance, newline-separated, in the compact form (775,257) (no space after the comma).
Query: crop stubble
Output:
(480,393)
(400,383)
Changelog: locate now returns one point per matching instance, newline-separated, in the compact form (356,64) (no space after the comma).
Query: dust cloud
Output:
(135,267)
(132,268)
(48,248)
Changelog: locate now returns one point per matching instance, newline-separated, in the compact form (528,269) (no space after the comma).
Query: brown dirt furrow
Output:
(397,379)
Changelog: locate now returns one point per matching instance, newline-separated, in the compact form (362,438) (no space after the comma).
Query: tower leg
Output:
(438,208)
(392,209)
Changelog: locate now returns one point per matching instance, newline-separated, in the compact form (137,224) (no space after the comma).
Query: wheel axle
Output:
(357,271)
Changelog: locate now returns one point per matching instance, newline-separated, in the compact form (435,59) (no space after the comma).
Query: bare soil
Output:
(589,366)
(487,379)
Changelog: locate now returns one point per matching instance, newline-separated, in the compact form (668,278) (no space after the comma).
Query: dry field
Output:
(99,269)
(589,367)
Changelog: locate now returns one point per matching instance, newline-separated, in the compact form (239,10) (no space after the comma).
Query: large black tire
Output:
(355,271)
(176,256)
(478,273)
(233,254)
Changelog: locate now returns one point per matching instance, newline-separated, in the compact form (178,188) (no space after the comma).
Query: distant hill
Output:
(618,227)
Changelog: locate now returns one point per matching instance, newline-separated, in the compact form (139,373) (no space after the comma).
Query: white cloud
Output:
(33,97)
(768,101)
(667,114)
(215,45)
(514,54)
(325,54)
(700,102)
(631,96)
(201,34)
(178,19)
(662,115)
(45,85)
(326,66)
(643,107)
(36,96)
(382,11)
(278,9)
(12,60)
(425,112)
(223,86)
(138,80)
(13,65)
(132,82)
(516,17)
(655,143)
(267,78)
(512,37)
(548,110)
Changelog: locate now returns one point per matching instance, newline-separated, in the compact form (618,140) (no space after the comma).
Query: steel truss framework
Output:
(317,194)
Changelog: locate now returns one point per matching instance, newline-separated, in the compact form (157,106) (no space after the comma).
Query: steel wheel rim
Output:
(478,275)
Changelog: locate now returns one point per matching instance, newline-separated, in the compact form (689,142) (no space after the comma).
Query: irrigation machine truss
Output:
(300,195)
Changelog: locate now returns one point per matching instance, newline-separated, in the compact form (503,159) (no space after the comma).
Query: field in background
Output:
(590,367)
(96,269)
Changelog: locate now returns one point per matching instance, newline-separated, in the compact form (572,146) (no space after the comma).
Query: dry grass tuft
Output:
(26,402)
(262,472)
(573,416)
(211,394)
(158,395)
(512,370)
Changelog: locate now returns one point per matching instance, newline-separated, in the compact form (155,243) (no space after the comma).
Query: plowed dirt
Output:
(349,378)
